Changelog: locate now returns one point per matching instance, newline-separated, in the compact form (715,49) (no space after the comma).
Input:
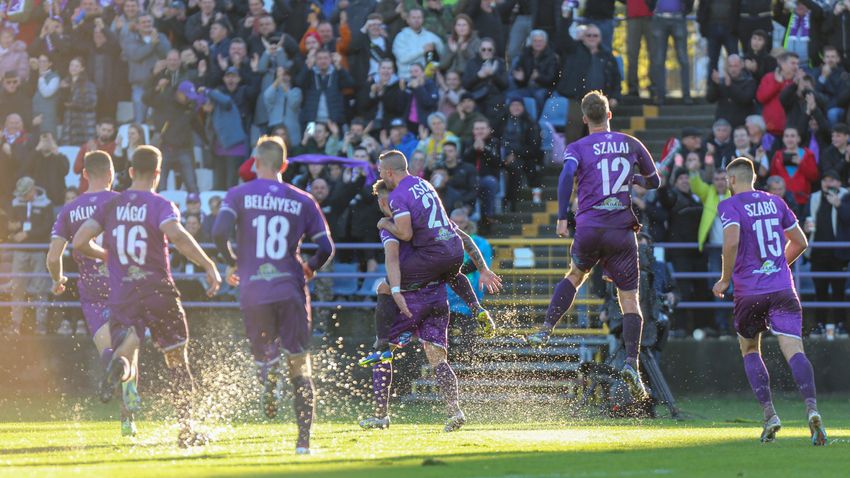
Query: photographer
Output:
(803,104)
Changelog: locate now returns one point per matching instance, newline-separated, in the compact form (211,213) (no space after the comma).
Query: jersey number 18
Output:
(271,236)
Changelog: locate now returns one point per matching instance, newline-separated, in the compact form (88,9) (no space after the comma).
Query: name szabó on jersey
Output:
(761,208)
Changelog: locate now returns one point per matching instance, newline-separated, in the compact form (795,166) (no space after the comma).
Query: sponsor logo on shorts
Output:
(268,272)
(610,204)
(135,273)
(445,235)
(767,268)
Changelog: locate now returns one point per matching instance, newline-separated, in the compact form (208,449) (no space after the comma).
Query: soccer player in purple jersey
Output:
(93,284)
(605,224)
(761,239)
(271,219)
(139,224)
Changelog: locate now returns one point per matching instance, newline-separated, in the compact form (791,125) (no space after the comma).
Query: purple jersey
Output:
(404,247)
(137,248)
(94,277)
(763,218)
(272,218)
(432,229)
(605,163)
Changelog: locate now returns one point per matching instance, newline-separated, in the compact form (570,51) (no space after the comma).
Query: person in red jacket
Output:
(770,88)
(796,165)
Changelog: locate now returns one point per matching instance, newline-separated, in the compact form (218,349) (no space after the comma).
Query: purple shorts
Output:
(779,311)
(615,249)
(280,326)
(430,321)
(162,313)
(421,268)
(96,315)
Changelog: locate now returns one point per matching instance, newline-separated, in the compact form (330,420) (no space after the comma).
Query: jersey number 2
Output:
(271,236)
(617,164)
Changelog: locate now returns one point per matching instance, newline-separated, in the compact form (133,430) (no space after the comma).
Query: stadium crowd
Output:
(457,85)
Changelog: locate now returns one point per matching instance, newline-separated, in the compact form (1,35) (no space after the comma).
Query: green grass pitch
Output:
(78,439)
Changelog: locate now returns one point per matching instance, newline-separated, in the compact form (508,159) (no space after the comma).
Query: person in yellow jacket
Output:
(710,227)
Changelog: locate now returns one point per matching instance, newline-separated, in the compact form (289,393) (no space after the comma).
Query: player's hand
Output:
(59,286)
(213,279)
(402,304)
(231,276)
(384,223)
(562,229)
(308,272)
(720,288)
(490,281)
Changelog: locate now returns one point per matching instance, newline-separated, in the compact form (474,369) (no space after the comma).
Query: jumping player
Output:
(271,219)
(139,224)
(424,317)
(93,284)
(605,224)
(761,239)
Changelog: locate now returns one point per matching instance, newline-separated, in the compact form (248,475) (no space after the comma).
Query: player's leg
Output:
(463,288)
(446,383)
(382,380)
(433,309)
(182,386)
(301,378)
(261,328)
(562,300)
(759,380)
(385,312)
(801,369)
(632,331)
(97,320)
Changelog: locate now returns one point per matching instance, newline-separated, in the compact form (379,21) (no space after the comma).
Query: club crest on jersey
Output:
(268,272)
(135,273)
(767,268)
(610,204)
(445,235)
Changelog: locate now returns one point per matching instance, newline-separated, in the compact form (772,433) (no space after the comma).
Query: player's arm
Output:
(223,228)
(324,253)
(648,177)
(797,243)
(54,264)
(731,240)
(84,240)
(488,278)
(399,227)
(393,265)
(186,245)
(565,192)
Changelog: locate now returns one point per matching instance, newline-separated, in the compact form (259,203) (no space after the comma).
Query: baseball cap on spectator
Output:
(231,70)
(275,38)
(24,185)
(223,23)
(513,99)
(831,173)
(691,131)
(397,123)
(467,96)
(193,197)
(10,75)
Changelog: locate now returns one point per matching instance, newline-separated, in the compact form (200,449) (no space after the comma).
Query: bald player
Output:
(139,225)
(761,239)
(271,219)
(606,227)
(93,283)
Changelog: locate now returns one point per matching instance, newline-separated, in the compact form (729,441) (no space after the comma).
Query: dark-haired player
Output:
(606,227)
(93,284)
(761,239)
(271,220)
(138,225)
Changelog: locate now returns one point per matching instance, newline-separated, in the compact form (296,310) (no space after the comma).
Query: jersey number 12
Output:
(617,164)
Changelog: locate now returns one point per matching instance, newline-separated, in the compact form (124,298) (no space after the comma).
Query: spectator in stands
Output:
(720,145)
(734,92)
(651,215)
(105,68)
(758,59)
(833,79)
(489,19)
(31,220)
(451,90)
(432,144)
(823,224)
(776,186)
(415,44)
(370,46)
(13,145)
(143,49)
(757,130)
(15,99)
(283,103)
(193,207)
(124,149)
(461,121)
(180,124)
(803,20)
(461,46)
(214,203)
(323,139)
(668,21)
(802,104)
(718,22)
(338,46)
(309,174)
(585,66)
(45,102)
(836,29)
(520,142)
(123,24)
(198,25)
(755,153)
(684,216)
(486,79)
(321,85)
(399,138)
(47,167)
(462,182)
(103,140)
(384,98)
(483,153)
(53,42)
(13,55)
(772,84)
(601,14)
(216,45)
(438,18)
(796,165)
(836,157)
(80,100)
(536,69)
(755,16)
(638,28)
(170,19)
(230,146)
(423,95)
(357,132)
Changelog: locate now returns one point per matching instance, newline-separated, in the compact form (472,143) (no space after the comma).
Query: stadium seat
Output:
(530,106)
(370,284)
(555,111)
(72,179)
(178,197)
(124,112)
(204,179)
(523,258)
(122,132)
(205,199)
(344,286)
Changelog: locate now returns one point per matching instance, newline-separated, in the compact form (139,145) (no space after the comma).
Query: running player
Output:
(93,284)
(271,219)
(605,224)
(761,239)
(139,225)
